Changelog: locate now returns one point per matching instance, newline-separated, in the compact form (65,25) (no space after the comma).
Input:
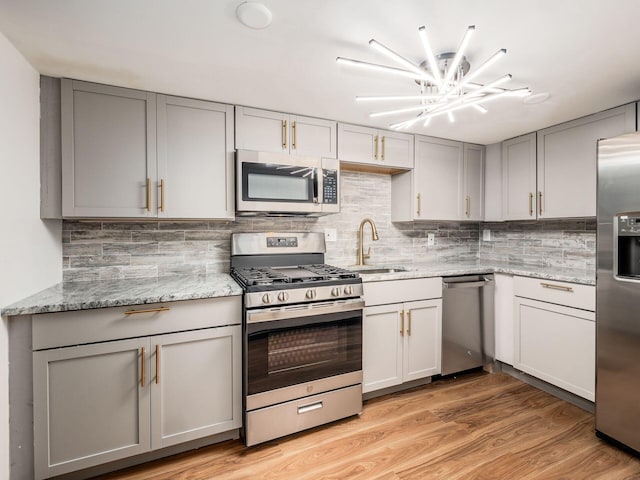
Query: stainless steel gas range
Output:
(302,358)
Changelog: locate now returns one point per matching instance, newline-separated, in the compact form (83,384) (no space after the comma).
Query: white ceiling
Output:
(585,53)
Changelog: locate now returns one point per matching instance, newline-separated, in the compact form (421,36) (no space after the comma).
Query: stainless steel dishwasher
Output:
(467,323)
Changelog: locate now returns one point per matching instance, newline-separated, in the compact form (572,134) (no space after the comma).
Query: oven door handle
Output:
(308,310)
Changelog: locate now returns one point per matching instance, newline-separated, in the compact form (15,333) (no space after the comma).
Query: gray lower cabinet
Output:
(194,392)
(105,401)
(91,405)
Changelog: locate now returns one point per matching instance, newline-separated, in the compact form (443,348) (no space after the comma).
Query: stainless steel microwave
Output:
(281,184)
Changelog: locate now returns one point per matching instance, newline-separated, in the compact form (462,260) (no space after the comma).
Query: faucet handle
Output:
(368,254)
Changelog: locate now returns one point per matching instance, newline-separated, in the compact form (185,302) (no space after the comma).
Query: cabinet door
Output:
(567,161)
(108,151)
(196,388)
(396,149)
(91,405)
(313,137)
(473,201)
(519,178)
(381,347)
(262,130)
(556,344)
(358,144)
(195,159)
(503,296)
(422,339)
(439,179)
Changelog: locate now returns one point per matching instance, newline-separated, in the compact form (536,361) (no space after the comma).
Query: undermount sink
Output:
(364,271)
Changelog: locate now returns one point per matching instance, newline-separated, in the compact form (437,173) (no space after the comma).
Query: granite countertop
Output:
(436,269)
(115,293)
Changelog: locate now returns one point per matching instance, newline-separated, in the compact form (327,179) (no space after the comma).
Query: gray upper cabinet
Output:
(195,159)
(108,151)
(446,183)
(371,146)
(519,178)
(267,131)
(110,166)
(473,201)
(567,161)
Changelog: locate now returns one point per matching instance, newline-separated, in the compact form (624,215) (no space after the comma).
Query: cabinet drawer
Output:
(561,293)
(397,291)
(290,417)
(51,330)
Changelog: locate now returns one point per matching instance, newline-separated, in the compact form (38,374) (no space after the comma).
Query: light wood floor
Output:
(476,427)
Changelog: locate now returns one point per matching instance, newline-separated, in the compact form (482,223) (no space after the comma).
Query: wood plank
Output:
(476,426)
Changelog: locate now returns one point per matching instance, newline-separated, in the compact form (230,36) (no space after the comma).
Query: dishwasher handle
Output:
(483,283)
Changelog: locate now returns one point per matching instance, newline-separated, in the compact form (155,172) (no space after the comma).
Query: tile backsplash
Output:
(107,250)
(556,243)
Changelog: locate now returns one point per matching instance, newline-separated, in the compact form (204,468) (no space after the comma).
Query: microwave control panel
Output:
(330,186)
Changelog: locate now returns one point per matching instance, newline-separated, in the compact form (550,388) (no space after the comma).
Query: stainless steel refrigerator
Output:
(618,291)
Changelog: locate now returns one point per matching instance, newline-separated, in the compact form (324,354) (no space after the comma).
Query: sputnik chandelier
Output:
(444,81)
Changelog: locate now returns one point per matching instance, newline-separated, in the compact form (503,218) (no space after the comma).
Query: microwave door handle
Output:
(314,176)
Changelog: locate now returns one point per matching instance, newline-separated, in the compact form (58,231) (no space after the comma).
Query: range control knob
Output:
(311,294)
(348,290)
(267,298)
(283,296)
(335,292)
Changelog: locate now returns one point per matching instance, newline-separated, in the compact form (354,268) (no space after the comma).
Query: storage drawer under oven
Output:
(285,418)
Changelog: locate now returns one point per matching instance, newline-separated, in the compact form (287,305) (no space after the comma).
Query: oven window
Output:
(283,354)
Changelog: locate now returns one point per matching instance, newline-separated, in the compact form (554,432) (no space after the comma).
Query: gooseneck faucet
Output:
(374,235)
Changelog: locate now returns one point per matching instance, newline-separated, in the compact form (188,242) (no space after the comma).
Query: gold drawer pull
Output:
(147,310)
(148,207)
(284,134)
(409,320)
(540,202)
(295,136)
(402,323)
(157,364)
(375,140)
(530,204)
(382,155)
(142,368)
(556,287)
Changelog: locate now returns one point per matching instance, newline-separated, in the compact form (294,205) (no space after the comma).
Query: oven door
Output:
(277,183)
(296,344)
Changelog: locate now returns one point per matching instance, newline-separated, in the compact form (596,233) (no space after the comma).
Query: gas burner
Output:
(290,276)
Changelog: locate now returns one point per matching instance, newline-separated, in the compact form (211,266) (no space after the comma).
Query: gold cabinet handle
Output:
(530,204)
(284,134)
(157,364)
(375,146)
(147,310)
(295,136)
(409,322)
(556,287)
(468,204)
(142,368)
(540,202)
(162,195)
(419,198)
(148,194)
(402,323)
(382,141)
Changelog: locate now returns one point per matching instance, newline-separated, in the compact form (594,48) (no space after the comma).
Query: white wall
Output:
(30,249)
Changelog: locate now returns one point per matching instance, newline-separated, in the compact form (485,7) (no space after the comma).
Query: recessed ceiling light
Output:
(254,15)
(536,98)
